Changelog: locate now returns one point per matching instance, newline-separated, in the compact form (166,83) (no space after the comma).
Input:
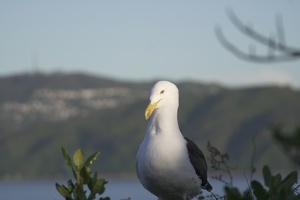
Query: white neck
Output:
(164,119)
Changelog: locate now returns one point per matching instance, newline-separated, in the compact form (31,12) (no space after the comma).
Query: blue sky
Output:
(143,40)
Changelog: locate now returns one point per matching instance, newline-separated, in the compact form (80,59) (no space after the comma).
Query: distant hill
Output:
(41,113)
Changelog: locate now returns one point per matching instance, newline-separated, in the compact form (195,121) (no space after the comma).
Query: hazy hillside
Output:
(40,113)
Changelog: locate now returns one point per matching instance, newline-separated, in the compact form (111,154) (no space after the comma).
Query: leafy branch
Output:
(274,187)
(82,173)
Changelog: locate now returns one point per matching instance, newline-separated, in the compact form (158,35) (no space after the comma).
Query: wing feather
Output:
(199,163)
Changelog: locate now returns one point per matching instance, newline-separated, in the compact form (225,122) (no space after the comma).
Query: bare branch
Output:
(218,161)
(284,52)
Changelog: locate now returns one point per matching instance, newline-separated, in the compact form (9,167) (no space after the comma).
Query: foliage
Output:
(289,141)
(274,187)
(82,173)
(278,188)
(233,193)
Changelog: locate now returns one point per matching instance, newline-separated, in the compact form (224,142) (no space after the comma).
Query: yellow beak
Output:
(149,110)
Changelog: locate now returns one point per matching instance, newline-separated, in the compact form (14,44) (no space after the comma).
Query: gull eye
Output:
(163,91)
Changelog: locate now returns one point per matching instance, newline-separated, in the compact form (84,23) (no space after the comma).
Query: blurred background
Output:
(77,74)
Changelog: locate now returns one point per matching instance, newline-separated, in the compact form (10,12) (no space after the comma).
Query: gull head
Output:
(162,93)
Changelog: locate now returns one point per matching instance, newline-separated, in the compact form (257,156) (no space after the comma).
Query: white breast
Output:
(163,164)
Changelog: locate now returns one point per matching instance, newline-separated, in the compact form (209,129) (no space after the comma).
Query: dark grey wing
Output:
(199,163)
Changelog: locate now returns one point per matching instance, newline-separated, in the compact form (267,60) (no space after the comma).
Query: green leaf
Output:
(70,186)
(93,181)
(99,186)
(85,174)
(289,180)
(63,191)
(276,180)
(67,157)
(91,159)
(267,176)
(87,169)
(78,158)
(233,193)
(258,190)
(247,195)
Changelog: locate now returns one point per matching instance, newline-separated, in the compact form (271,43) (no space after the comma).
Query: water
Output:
(116,189)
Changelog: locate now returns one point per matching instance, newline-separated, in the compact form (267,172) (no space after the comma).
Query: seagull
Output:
(169,165)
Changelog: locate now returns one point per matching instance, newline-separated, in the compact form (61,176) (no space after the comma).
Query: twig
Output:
(285,53)
(219,161)
(219,178)
(250,189)
(253,169)
(217,197)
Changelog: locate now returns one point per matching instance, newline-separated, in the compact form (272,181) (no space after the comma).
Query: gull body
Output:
(169,165)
